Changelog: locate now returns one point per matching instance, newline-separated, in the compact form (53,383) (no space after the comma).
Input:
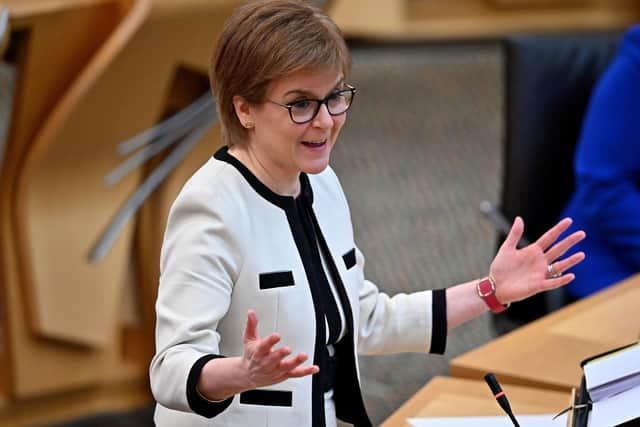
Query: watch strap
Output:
(486,289)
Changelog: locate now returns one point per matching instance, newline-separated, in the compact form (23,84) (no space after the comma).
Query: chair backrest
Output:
(548,82)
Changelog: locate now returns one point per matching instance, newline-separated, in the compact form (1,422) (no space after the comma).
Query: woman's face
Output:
(285,148)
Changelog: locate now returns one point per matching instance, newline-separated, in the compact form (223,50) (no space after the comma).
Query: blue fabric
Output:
(606,203)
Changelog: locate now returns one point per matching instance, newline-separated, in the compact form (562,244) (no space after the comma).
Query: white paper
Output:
(616,409)
(500,421)
(613,373)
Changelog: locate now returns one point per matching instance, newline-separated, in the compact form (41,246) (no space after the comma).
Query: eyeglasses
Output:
(305,110)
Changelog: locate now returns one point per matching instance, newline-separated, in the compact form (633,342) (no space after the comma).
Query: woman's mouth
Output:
(314,144)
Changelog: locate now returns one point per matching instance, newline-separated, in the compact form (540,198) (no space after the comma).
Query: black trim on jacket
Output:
(346,394)
(197,403)
(307,236)
(267,398)
(439,328)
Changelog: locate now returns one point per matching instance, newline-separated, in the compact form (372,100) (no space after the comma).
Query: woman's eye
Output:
(302,104)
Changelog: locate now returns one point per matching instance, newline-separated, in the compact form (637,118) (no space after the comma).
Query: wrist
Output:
(486,290)
(222,378)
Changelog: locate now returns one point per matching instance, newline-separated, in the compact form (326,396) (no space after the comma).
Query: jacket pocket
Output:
(267,398)
(350,258)
(276,279)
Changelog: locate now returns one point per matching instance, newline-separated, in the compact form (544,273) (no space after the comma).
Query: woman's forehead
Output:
(311,82)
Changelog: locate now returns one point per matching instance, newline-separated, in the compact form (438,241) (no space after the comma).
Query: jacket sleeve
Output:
(197,270)
(608,155)
(415,322)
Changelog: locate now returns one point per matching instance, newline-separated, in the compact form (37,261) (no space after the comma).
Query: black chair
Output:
(548,82)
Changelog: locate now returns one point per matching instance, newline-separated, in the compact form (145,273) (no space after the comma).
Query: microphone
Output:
(500,397)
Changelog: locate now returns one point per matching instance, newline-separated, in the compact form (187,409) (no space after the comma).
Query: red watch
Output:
(487,291)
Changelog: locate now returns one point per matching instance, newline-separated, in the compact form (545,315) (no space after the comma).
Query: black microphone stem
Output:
(500,397)
(513,419)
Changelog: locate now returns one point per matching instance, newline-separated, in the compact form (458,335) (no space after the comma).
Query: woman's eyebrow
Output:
(299,92)
(311,95)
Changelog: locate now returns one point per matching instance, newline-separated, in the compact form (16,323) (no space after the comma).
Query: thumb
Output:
(251,329)
(515,234)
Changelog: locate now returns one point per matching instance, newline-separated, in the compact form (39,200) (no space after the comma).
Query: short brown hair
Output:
(266,40)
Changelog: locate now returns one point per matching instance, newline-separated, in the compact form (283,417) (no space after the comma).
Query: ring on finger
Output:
(552,272)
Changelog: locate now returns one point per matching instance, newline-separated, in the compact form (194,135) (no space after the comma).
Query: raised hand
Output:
(521,273)
(264,365)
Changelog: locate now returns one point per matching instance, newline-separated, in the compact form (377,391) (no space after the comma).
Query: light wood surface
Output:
(63,313)
(62,407)
(465,19)
(445,397)
(4,357)
(51,46)
(547,353)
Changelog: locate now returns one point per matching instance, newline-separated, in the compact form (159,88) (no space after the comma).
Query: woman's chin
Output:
(316,166)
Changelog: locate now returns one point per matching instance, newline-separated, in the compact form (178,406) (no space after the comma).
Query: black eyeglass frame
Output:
(319,103)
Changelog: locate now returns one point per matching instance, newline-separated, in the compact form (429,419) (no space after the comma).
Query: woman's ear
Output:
(243,111)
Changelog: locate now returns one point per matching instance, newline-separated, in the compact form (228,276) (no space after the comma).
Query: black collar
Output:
(284,202)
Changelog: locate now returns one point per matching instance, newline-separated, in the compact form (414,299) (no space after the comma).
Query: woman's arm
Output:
(518,273)
(260,365)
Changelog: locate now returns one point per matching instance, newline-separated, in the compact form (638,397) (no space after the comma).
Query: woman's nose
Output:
(323,119)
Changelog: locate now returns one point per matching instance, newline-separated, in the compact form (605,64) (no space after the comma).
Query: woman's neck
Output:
(283,187)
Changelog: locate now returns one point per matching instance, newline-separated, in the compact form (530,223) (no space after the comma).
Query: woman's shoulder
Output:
(633,32)
(214,186)
(326,184)
(631,41)
(326,180)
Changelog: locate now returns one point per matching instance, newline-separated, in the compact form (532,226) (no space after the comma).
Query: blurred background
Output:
(83,205)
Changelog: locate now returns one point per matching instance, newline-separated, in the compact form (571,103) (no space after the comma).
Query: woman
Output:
(606,201)
(263,228)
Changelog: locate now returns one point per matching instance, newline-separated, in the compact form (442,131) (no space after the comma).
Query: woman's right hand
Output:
(259,366)
(265,365)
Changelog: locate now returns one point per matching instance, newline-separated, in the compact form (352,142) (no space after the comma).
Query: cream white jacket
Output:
(232,245)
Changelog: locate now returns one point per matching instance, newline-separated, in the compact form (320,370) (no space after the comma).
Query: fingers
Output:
(293,362)
(563,246)
(291,367)
(515,234)
(275,367)
(251,328)
(565,279)
(553,233)
(269,366)
(264,346)
(567,263)
(303,372)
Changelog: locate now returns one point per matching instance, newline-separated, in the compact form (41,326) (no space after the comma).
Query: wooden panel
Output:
(445,397)
(4,29)
(72,405)
(50,50)
(64,176)
(30,9)
(547,352)
(464,19)
(6,89)
(62,205)
(186,87)
(540,3)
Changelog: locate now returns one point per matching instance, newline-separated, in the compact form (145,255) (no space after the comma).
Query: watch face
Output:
(486,288)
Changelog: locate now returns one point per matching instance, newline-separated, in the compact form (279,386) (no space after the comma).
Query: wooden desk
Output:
(547,352)
(468,19)
(444,396)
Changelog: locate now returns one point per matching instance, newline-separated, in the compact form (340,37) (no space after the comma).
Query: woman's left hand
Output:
(521,273)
